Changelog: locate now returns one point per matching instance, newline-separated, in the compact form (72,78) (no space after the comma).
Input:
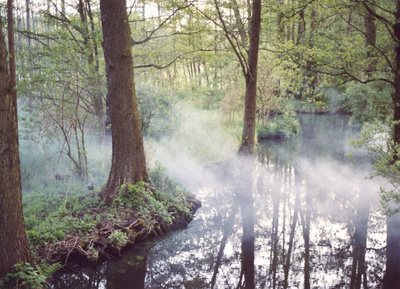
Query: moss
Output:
(88,229)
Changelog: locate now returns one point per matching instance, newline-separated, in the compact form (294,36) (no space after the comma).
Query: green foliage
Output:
(375,137)
(140,197)
(52,213)
(281,126)
(157,110)
(160,204)
(48,269)
(23,276)
(170,192)
(118,239)
(367,102)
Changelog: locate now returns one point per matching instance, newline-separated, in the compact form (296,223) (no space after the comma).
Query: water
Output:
(301,215)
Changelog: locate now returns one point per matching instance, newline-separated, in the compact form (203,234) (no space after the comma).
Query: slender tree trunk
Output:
(239,23)
(11,43)
(14,247)
(28,21)
(128,157)
(396,90)
(370,41)
(250,106)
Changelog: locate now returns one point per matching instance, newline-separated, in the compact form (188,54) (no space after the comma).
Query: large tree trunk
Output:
(14,247)
(128,157)
(392,274)
(249,124)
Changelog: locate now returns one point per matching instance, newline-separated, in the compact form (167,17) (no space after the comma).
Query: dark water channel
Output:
(302,214)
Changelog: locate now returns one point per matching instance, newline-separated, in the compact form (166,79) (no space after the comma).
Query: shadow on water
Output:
(299,214)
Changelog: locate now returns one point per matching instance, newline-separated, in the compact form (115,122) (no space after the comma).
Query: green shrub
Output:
(23,276)
(118,239)
(279,128)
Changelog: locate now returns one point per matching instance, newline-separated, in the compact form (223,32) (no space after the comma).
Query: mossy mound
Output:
(97,232)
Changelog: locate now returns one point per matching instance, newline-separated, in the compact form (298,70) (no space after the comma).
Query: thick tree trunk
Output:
(392,274)
(249,123)
(14,247)
(128,157)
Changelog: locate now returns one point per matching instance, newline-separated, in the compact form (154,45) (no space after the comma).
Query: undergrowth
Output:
(66,220)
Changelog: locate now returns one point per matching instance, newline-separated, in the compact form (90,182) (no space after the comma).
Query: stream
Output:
(301,214)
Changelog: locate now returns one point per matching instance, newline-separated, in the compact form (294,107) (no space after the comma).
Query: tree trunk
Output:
(370,40)
(28,21)
(11,44)
(14,247)
(249,123)
(396,91)
(392,274)
(128,157)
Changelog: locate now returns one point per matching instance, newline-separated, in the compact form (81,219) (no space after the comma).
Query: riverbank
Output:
(80,229)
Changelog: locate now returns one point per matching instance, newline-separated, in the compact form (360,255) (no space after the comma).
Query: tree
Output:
(250,73)
(248,60)
(11,45)
(128,157)
(14,247)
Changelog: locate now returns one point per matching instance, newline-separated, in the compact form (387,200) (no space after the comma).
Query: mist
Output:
(306,193)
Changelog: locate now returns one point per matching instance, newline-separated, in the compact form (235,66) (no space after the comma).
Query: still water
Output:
(301,214)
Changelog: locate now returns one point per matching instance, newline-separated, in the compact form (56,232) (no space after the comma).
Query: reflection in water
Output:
(308,219)
(392,275)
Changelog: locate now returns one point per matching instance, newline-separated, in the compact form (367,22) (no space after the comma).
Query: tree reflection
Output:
(306,218)
(392,275)
(244,196)
(358,270)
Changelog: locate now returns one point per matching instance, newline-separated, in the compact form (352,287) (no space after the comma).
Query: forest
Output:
(199,144)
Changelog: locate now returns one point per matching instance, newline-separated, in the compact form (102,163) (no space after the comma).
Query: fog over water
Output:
(293,216)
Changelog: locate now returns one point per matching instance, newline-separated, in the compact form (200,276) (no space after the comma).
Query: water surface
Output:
(302,214)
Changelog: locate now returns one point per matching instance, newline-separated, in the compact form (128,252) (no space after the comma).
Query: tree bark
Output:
(128,157)
(370,40)
(396,72)
(249,123)
(11,43)
(392,275)
(14,247)
(28,21)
